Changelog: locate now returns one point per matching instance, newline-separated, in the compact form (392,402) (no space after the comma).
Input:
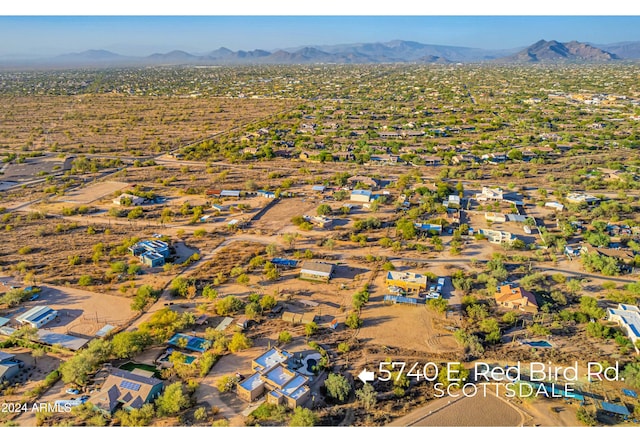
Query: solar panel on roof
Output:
(129,385)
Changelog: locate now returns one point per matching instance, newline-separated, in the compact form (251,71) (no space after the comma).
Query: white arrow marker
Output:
(366,375)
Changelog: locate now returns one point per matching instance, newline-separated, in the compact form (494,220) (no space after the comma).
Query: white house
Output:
(628,317)
(490,194)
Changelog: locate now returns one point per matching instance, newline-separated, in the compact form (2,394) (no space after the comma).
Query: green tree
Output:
(85,280)
(367,396)
(439,304)
(631,374)
(173,400)
(311,328)
(324,210)
(285,337)
(127,344)
(239,342)
(586,417)
(303,417)
(338,387)
(406,229)
(226,383)
(267,302)
(228,305)
(353,321)
(453,374)
(136,417)
(179,286)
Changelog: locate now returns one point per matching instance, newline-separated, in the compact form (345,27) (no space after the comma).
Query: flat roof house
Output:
(282,385)
(363,196)
(490,194)
(628,317)
(407,280)
(314,270)
(127,390)
(514,297)
(152,253)
(496,236)
(38,316)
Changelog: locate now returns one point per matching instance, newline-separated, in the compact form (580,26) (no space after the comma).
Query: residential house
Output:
(152,253)
(582,198)
(282,385)
(266,194)
(319,221)
(343,156)
(514,297)
(384,159)
(318,271)
(490,194)
(496,236)
(124,389)
(453,202)
(363,180)
(407,280)
(463,158)
(622,255)
(494,158)
(430,160)
(628,317)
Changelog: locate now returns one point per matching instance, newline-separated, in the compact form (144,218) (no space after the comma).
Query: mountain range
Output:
(397,51)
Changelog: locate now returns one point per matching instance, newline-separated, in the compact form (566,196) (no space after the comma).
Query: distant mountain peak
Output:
(394,51)
(555,51)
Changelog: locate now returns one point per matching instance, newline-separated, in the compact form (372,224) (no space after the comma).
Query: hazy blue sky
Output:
(140,35)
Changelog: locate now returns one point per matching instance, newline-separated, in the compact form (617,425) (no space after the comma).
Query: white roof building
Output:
(581,198)
(628,317)
(38,316)
(490,194)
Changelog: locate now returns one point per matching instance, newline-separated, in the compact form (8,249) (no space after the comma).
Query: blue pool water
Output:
(543,344)
(188,359)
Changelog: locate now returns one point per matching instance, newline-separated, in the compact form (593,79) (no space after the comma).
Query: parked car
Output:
(72,391)
(83,398)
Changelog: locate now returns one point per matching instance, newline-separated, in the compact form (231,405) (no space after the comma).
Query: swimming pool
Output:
(188,359)
(541,344)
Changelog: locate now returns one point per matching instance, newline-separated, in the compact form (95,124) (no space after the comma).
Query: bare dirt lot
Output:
(110,123)
(81,312)
(279,215)
(93,192)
